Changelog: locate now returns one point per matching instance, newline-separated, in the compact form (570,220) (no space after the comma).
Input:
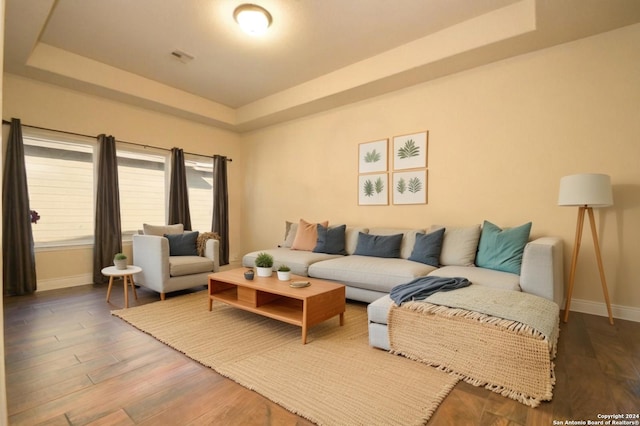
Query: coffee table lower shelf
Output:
(303,307)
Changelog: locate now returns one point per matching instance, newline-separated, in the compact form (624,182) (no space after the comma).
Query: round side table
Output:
(127,277)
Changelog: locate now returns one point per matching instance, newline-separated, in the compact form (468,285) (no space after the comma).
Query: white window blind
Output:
(60,180)
(199,170)
(141,178)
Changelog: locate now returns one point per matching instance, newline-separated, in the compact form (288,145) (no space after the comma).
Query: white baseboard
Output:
(71,281)
(628,313)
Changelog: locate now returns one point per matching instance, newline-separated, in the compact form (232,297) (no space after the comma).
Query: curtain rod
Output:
(94,137)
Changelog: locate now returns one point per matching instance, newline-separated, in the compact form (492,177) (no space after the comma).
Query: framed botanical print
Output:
(410,187)
(373,189)
(410,151)
(372,156)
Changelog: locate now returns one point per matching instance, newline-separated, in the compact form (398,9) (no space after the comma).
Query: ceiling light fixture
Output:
(252,18)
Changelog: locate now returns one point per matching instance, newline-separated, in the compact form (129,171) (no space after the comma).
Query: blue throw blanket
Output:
(423,287)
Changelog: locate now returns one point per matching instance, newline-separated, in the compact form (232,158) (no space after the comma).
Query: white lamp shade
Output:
(586,189)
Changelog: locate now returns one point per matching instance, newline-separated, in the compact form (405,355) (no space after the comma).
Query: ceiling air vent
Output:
(183,57)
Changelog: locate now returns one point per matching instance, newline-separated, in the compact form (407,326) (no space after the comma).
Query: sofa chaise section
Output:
(541,275)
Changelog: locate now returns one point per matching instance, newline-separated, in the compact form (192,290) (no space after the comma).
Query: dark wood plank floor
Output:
(69,362)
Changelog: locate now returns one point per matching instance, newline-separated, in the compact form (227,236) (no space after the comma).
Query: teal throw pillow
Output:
(183,244)
(379,245)
(331,240)
(501,249)
(428,247)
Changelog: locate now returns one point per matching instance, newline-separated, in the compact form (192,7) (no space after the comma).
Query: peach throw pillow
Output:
(307,235)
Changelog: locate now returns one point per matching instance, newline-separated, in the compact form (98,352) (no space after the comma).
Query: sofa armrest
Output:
(212,251)
(151,253)
(542,269)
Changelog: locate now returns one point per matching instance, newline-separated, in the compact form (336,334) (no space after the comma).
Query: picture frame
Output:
(410,151)
(373,156)
(410,187)
(373,189)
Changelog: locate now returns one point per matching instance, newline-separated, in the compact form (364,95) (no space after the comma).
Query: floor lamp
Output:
(587,190)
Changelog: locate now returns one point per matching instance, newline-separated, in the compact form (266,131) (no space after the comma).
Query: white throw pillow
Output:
(160,230)
(291,229)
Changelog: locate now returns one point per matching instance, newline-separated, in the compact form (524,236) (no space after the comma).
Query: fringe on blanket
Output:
(486,320)
(509,393)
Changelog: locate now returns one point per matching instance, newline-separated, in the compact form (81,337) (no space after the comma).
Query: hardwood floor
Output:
(69,362)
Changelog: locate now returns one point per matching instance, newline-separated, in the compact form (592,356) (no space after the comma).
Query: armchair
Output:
(164,273)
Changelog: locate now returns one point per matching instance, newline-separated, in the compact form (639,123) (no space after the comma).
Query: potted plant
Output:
(264,263)
(120,261)
(284,273)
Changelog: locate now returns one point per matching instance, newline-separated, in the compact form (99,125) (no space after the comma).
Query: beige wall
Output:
(500,138)
(53,107)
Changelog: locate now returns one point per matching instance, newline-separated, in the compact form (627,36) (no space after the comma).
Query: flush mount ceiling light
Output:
(252,18)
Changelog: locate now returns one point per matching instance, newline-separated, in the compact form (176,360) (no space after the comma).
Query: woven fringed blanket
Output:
(507,356)
(202,240)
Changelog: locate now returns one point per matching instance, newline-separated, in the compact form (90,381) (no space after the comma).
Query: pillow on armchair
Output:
(162,230)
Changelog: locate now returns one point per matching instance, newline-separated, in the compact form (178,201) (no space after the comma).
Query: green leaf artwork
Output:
(372,157)
(379,185)
(402,186)
(368,188)
(415,185)
(410,149)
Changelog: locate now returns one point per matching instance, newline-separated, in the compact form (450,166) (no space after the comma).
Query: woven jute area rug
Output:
(335,379)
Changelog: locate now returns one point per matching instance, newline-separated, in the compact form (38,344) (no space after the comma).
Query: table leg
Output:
(133,286)
(126,291)
(304,334)
(109,288)
(341,319)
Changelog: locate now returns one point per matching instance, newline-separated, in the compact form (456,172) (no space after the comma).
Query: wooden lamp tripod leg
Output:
(574,260)
(599,259)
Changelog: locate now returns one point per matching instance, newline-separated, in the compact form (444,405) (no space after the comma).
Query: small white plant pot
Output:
(284,276)
(264,272)
(120,263)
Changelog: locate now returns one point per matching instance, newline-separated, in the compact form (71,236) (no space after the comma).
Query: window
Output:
(61,170)
(61,189)
(199,171)
(141,179)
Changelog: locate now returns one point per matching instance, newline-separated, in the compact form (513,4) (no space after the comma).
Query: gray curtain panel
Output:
(220,222)
(18,256)
(178,192)
(108,230)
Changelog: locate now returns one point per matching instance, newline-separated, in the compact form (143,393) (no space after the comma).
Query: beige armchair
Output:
(164,273)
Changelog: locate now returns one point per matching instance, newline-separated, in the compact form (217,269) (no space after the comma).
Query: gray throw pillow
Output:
(331,240)
(379,245)
(183,244)
(428,247)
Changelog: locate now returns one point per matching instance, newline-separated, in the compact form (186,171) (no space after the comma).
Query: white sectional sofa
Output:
(370,278)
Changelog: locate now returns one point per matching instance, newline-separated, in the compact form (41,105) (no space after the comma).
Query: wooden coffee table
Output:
(270,297)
